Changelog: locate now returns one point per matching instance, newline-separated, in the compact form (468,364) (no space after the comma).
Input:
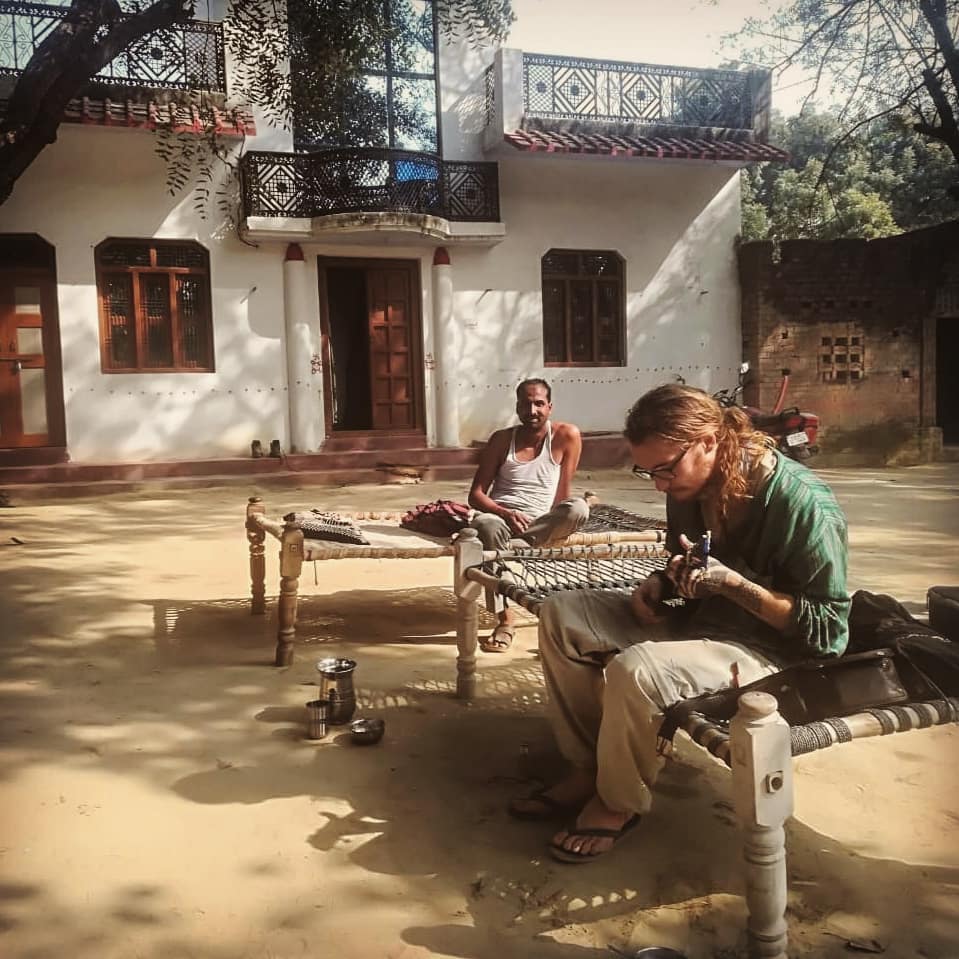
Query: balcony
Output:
(355,190)
(188,56)
(542,103)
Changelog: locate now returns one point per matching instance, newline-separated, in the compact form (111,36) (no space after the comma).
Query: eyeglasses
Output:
(666,472)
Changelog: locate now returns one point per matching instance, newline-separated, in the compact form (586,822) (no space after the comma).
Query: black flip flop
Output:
(567,855)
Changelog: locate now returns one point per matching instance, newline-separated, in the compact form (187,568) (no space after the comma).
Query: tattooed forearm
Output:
(751,596)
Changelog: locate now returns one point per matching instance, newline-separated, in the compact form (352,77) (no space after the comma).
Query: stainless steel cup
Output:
(317,718)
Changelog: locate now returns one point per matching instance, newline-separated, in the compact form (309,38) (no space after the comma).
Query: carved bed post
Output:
(291,562)
(255,537)
(761,762)
(468,552)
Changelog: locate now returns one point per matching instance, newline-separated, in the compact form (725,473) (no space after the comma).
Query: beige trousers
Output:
(609,679)
(561,521)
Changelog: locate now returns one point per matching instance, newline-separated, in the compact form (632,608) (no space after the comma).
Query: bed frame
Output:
(757,746)
(466,552)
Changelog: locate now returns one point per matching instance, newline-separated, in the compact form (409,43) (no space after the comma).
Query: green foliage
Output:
(893,60)
(305,72)
(883,179)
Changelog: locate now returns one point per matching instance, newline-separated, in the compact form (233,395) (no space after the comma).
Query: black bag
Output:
(891,658)
(928,662)
(806,692)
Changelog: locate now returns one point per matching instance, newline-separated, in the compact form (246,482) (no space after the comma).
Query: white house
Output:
(539,216)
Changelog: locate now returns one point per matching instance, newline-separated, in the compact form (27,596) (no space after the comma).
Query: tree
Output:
(877,58)
(882,179)
(94,32)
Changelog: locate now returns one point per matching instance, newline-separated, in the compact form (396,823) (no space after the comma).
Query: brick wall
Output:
(852,322)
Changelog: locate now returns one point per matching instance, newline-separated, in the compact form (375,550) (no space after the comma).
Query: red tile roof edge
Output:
(150,115)
(672,147)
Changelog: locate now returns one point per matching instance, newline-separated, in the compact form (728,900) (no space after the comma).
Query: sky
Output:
(677,32)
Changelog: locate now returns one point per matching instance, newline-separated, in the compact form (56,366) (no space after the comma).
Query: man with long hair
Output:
(771,592)
(522,487)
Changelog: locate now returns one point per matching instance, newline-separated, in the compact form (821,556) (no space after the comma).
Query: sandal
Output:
(567,855)
(498,641)
(550,808)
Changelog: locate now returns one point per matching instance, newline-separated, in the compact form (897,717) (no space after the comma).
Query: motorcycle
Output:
(795,432)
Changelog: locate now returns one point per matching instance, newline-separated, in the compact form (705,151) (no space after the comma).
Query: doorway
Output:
(31,385)
(947,385)
(372,371)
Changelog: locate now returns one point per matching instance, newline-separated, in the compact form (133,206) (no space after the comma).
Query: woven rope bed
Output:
(757,745)
(607,527)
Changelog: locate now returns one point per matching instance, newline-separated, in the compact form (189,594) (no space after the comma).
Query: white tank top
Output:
(528,487)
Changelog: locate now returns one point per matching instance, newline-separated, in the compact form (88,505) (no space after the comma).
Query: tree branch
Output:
(61,66)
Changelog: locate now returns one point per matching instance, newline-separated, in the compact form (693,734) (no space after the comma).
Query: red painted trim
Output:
(441,257)
(294,253)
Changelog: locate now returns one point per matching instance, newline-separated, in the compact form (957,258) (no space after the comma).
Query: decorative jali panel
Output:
(565,88)
(186,57)
(367,181)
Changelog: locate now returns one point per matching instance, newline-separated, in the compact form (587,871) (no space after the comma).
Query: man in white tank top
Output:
(522,485)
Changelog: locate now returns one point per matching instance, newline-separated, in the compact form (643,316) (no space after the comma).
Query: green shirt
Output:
(792,539)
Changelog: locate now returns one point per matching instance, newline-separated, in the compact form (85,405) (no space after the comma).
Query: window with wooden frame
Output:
(584,310)
(154,306)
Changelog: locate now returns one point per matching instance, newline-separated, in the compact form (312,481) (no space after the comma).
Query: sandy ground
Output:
(159,801)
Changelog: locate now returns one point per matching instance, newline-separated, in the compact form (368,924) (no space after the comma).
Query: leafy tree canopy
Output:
(875,58)
(881,179)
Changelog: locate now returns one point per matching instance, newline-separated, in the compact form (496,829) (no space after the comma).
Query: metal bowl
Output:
(657,952)
(366,732)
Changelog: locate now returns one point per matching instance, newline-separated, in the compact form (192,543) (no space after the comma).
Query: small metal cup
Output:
(317,718)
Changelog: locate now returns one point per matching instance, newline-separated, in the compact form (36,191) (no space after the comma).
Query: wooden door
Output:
(393,354)
(31,409)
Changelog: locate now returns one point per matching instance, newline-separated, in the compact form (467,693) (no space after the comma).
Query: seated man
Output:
(522,487)
(773,591)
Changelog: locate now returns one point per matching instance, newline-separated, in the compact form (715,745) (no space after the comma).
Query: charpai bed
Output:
(611,534)
(757,745)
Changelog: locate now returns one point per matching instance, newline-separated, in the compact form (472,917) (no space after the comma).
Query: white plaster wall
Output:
(462,99)
(675,225)
(95,183)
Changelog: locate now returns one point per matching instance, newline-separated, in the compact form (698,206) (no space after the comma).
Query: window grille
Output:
(391,103)
(842,357)
(583,308)
(155,311)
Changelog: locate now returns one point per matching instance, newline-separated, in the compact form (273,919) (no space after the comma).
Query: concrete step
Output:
(339,467)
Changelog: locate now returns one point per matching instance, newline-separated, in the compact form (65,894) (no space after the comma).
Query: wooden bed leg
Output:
(763,797)
(255,537)
(291,563)
(468,552)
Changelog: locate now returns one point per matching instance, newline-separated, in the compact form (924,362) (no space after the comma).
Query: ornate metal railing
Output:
(568,88)
(188,56)
(367,180)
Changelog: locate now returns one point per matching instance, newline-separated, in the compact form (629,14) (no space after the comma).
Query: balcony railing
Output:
(607,91)
(367,180)
(188,56)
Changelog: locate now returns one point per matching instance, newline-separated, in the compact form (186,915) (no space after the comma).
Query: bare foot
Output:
(594,815)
